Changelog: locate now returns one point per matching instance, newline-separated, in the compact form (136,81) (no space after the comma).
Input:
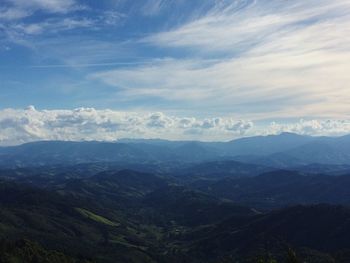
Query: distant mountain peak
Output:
(289,134)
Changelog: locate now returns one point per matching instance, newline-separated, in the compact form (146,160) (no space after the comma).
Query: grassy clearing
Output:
(96,218)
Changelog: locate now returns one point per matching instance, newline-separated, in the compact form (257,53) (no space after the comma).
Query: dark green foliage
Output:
(292,257)
(186,207)
(25,251)
(57,222)
(136,217)
(279,189)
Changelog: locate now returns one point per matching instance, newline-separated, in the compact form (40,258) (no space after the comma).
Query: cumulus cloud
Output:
(312,127)
(20,126)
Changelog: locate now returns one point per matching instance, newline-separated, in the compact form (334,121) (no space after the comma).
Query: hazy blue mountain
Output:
(324,151)
(319,150)
(214,170)
(55,152)
(252,146)
(285,150)
(59,152)
(265,145)
(327,169)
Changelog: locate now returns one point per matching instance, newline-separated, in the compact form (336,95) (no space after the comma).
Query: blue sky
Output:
(227,68)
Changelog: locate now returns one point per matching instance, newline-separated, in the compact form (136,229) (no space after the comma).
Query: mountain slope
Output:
(280,188)
(266,145)
(319,228)
(74,226)
(214,170)
(183,206)
(284,150)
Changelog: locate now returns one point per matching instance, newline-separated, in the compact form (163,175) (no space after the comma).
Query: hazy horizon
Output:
(140,139)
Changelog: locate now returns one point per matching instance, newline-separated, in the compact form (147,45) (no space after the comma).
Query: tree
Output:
(292,257)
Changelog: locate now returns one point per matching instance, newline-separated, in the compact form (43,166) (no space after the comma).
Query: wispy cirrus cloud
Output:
(31,23)
(51,6)
(255,87)
(19,19)
(11,13)
(51,25)
(257,58)
(248,23)
(152,7)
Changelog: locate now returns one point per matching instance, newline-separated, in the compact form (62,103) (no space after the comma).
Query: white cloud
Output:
(264,59)
(268,86)
(112,17)
(17,25)
(20,126)
(51,26)
(255,59)
(152,7)
(244,24)
(52,6)
(13,13)
(311,127)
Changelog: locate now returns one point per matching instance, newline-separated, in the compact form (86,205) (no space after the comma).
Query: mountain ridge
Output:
(284,150)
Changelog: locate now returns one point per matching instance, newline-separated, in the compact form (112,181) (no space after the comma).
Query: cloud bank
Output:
(312,127)
(19,126)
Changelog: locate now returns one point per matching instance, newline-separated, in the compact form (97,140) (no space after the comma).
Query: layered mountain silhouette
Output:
(282,198)
(284,150)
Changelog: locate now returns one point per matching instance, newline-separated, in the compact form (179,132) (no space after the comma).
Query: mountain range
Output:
(282,151)
(263,199)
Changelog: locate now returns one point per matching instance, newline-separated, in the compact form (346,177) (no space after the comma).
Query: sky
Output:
(211,70)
